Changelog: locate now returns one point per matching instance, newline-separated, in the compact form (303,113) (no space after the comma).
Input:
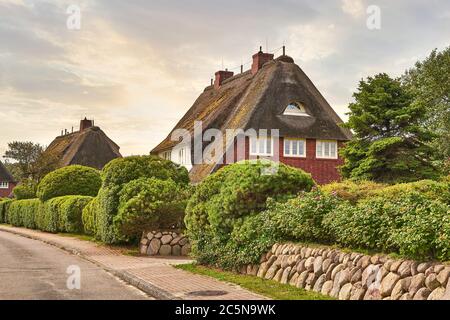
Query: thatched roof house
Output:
(7,182)
(274,94)
(89,146)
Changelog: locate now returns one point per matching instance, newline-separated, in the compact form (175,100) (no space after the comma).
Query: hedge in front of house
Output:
(150,204)
(89,216)
(225,199)
(71,180)
(116,174)
(21,213)
(62,214)
(25,190)
(4,204)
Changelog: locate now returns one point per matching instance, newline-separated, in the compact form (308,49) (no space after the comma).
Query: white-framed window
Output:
(167,155)
(261,146)
(294,147)
(4,185)
(182,156)
(295,109)
(326,149)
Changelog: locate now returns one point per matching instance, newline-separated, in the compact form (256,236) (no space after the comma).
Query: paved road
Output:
(31,269)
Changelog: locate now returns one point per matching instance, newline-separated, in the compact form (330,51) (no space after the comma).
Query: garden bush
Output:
(21,213)
(150,204)
(116,175)
(89,217)
(71,180)
(4,204)
(25,190)
(352,191)
(224,199)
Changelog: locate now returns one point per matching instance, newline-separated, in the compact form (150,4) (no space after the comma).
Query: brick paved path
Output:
(154,275)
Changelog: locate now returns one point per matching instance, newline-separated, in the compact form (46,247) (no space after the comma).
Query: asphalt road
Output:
(30,269)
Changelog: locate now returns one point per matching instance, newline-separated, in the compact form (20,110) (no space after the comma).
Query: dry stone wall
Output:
(164,243)
(353,276)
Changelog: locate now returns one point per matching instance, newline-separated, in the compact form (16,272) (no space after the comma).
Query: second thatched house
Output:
(274,95)
(89,146)
(7,182)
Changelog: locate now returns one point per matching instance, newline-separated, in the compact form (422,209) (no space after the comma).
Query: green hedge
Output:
(116,175)
(25,190)
(4,204)
(71,180)
(22,213)
(89,216)
(224,200)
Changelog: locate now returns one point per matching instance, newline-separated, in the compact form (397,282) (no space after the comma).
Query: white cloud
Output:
(355,8)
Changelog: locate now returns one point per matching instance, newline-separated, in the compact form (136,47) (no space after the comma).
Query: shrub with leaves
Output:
(223,200)
(116,175)
(4,204)
(89,216)
(150,204)
(22,213)
(25,190)
(71,180)
(352,191)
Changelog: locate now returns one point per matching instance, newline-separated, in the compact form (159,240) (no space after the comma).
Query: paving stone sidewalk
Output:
(153,275)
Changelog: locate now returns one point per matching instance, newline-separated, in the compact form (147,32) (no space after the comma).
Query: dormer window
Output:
(295,109)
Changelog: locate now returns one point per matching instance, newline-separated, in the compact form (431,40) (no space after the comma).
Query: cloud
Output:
(354,8)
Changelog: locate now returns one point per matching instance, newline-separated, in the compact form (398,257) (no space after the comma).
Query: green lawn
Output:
(268,288)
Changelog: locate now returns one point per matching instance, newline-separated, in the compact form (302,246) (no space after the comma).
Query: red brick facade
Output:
(323,171)
(4,193)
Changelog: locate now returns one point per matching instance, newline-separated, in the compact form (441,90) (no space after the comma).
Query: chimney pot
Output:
(221,76)
(259,59)
(85,124)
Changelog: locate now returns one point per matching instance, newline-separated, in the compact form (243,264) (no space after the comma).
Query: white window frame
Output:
(167,155)
(321,146)
(4,185)
(291,142)
(300,111)
(182,156)
(258,141)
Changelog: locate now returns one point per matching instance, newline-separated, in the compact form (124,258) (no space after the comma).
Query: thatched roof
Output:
(89,147)
(5,176)
(258,101)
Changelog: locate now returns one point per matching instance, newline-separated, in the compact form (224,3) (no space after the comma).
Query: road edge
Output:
(148,288)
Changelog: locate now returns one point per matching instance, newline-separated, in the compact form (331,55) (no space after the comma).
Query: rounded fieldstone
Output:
(422,267)
(271,272)
(294,279)
(436,294)
(165,239)
(443,276)
(438,268)
(345,292)
(406,296)
(278,275)
(183,241)
(336,270)
(395,265)
(309,264)
(301,282)
(388,284)
(143,249)
(326,288)
(165,250)
(153,247)
(365,261)
(317,267)
(319,283)
(432,282)
(357,275)
(400,288)
(150,235)
(369,275)
(175,240)
(357,292)
(263,268)
(405,269)
(422,294)
(326,264)
(158,235)
(310,280)
(417,282)
(301,266)
(285,275)
(144,241)
(186,249)
(176,250)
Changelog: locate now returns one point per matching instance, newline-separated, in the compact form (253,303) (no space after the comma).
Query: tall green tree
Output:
(27,160)
(429,84)
(390,145)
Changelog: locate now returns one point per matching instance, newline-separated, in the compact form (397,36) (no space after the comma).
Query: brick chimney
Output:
(221,76)
(85,123)
(259,59)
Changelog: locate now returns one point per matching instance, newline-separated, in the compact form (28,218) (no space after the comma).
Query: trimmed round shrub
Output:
(4,204)
(21,213)
(89,217)
(25,190)
(223,200)
(116,175)
(150,204)
(71,180)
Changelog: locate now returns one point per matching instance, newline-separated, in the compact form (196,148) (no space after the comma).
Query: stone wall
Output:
(164,243)
(353,276)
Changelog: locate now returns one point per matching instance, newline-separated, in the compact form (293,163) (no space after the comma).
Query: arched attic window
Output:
(295,109)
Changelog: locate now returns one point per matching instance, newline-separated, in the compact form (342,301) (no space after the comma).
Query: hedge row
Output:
(410,219)
(62,214)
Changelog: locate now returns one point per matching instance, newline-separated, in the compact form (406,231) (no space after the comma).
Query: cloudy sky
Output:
(136,66)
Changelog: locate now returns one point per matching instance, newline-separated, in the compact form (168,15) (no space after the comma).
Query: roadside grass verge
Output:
(268,288)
